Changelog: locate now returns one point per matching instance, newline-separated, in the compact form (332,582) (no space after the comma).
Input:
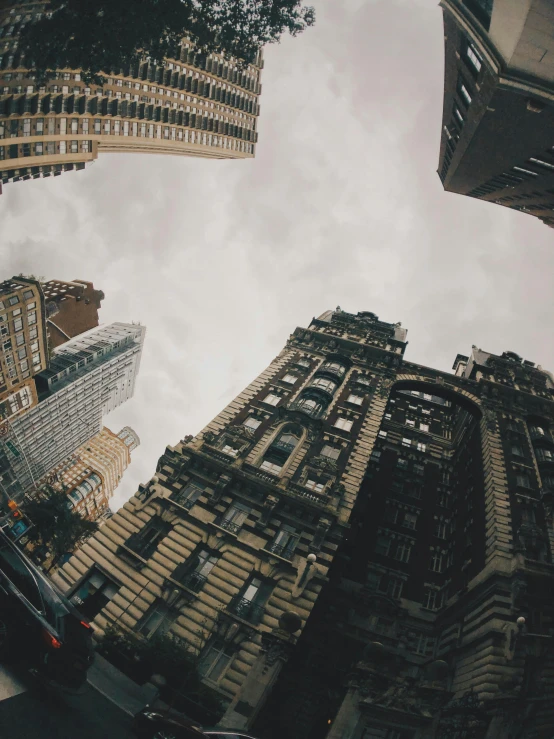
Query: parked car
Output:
(155,723)
(39,627)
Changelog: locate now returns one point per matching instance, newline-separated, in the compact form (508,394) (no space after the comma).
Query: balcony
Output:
(283,446)
(247,610)
(257,472)
(219,455)
(302,492)
(286,551)
(228,525)
(194,581)
(333,370)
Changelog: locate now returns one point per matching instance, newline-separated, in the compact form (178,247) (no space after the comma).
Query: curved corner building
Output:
(497,142)
(194,106)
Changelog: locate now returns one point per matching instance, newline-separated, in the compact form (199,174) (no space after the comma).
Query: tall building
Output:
(399,517)
(196,105)
(496,142)
(71,309)
(88,377)
(23,345)
(93,472)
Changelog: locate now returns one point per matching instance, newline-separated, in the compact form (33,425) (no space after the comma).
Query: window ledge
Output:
(224,530)
(277,556)
(125,550)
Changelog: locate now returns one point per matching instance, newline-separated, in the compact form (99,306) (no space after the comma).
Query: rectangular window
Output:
(18,324)
(188,496)
(432,599)
(355,399)
(343,423)
(424,427)
(145,542)
(474,57)
(290,379)
(410,520)
(402,551)
(410,423)
(215,661)
(157,620)
(16,312)
(32,318)
(271,399)
(63,147)
(383,545)
(436,563)
(421,447)
(330,451)
(234,517)
(402,463)
(391,585)
(75,147)
(314,485)
(382,434)
(406,441)
(252,423)
(94,593)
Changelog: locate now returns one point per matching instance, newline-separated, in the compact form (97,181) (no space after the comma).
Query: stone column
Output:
(277,646)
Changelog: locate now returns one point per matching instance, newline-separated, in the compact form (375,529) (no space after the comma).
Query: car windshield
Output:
(15,569)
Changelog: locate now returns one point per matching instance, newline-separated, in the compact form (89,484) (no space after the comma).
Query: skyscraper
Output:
(496,142)
(88,377)
(194,106)
(399,517)
(92,473)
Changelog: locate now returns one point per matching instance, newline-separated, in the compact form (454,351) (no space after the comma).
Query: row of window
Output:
(406,441)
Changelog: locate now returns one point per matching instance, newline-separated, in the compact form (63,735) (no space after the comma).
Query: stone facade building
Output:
(498,113)
(91,475)
(196,105)
(383,526)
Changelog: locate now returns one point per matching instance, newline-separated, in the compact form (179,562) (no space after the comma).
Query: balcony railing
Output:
(144,549)
(247,610)
(302,492)
(257,472)
(194,581)
(286,551)
(218,454)
(229,525)
(283,446)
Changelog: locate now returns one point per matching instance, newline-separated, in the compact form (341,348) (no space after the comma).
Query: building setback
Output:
(91,475)
(434,489)
(498,114)
(88,377)
(197,105)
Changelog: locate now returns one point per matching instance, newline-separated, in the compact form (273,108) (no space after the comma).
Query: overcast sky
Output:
(341,206)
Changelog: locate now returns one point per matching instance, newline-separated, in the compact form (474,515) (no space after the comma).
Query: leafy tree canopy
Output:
(106,36)
(55,525)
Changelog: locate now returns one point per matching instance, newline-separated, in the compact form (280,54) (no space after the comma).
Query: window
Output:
(230,450)
(215,661)
(314,485)
(322,383)
(28,294)
(32,318)
(545,455)
(343,423)
(391,585)
(271,399)
(474,57)
(290,379)
(523,480)
(355,399)
(410,422)
(464,93)
(234,517)
(376,455)
(285,542)
(441,529)
(18,324)
(188,496)
(402,463)
(16,312)
(332,452)
(410,520)
(251,602)
(424,427)
(421,447)
(406,441)
(22,353)
(145,542)
(403,550)
(432,599)
(13,300)
(194,575)
(272,466)
(517,450)
(20,339)
(252,423)
(157,620)
(94,593)
(382,434)
(303,363)
(436,561)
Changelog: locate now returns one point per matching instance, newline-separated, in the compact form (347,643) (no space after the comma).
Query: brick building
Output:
(23,345)
(496,142)
(195,105)
(71,309)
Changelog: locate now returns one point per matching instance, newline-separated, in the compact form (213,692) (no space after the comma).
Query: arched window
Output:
(311,404)
(334,368)
(324,384)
